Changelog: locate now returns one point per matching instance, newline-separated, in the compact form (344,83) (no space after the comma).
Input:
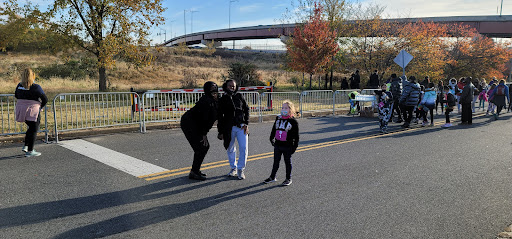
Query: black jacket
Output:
(233,111)
(410,94)
(450,100)
(34,93)
(467,93)
(202,116)
(396,88)
(291,127)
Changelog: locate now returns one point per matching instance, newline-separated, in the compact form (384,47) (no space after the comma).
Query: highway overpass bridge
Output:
(490,26)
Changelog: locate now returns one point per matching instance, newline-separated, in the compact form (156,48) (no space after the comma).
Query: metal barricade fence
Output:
(316,100)
(8,118)
(271,102)
(253,101)
(77,111)
(166,106)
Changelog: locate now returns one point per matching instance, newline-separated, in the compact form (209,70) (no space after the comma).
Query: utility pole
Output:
(185,24)
(165,34)
(171,26)
(229,24)
(501,9)
(191,20)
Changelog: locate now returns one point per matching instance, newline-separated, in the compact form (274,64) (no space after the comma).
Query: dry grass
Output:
(169,71)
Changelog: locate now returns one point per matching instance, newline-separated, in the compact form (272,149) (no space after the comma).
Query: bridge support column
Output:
(284,39)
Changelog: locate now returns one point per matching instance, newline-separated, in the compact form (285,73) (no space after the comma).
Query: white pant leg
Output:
(243,146)
(232,149)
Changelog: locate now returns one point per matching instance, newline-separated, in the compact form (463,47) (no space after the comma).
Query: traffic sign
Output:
(403,58)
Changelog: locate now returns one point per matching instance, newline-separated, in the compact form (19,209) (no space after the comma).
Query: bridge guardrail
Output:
(77,111)
(8,118)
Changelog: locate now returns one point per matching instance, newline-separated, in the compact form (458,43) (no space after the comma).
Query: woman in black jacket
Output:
(233,120)
(196,123)
(31,99)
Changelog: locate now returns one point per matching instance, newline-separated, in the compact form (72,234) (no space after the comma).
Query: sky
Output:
(214,14)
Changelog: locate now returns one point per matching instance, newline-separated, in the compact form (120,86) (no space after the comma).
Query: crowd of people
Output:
(411,101)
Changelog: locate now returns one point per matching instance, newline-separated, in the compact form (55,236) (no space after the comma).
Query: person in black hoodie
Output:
(196,123)
(396,91)
(31,99)
(233,121)
(285,139)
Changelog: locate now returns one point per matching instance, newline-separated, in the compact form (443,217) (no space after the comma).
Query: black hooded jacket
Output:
(204,114)
(233,111)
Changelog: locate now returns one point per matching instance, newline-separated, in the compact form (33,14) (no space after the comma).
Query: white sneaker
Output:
(232,172)
(241,174)
(32,153)
(447,125)
(24,149)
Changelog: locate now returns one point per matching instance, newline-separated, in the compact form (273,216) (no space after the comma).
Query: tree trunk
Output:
(310,80)
(103,78)
(326,79)
(330,80)
(302,79)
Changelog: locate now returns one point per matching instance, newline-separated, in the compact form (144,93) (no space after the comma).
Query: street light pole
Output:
(171,26)
(501,8)
(191,20)
(165,34)
(229,24)
(185,24)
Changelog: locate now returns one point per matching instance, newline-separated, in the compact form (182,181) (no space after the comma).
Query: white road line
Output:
(123,162)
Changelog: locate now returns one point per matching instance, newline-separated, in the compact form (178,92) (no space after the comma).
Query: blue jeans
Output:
(243,139)
(287,154)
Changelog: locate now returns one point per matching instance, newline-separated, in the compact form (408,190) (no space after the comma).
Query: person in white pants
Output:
(233,120)
(243,138)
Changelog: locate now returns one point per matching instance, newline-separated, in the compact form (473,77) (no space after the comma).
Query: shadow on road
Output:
(159,214)
(41,212)
(13,157)
(369,126)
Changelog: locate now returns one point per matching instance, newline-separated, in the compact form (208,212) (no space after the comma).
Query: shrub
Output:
(245,74)
(74,69)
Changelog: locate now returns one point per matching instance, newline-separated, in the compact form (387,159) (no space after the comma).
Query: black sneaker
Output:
(287,182)
(202,174)
(269,180)
(195,176)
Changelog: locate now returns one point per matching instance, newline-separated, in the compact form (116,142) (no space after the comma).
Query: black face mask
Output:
(229,91)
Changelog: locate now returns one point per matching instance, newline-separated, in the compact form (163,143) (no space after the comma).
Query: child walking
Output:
(490,97)
(482,97)
(385,99)
(428,102)
(285,139)
(450,103)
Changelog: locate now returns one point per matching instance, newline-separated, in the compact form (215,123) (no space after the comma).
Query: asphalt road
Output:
(349,181)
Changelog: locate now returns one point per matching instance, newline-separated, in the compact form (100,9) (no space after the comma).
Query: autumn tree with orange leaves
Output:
(427,42)
(472,54)
(313,45)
